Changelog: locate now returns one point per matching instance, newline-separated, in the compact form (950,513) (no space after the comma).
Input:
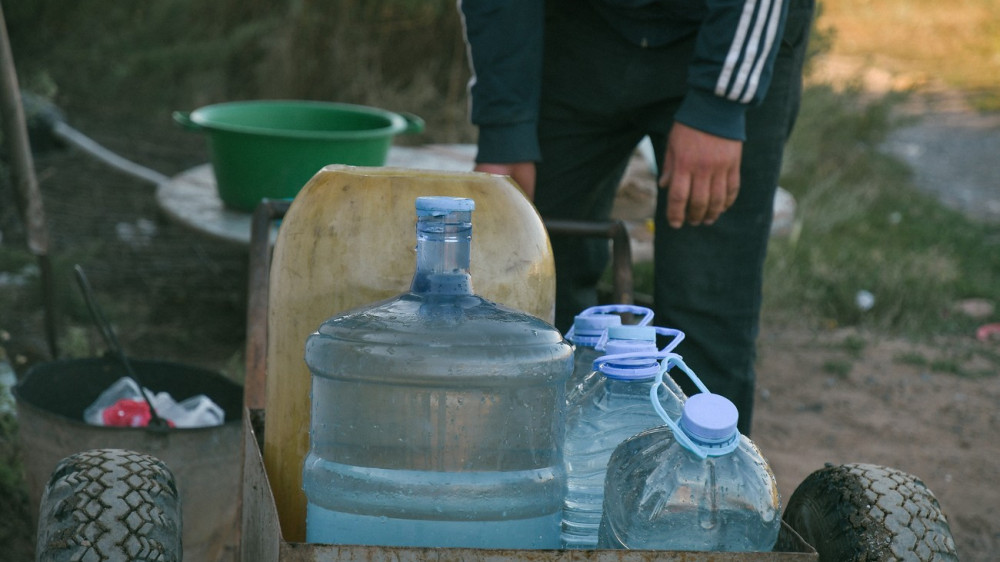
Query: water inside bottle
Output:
(610,405)
(332,527)
(668,499)
(437,415)
(693,484)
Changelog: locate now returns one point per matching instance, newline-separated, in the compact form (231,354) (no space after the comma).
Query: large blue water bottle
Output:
(693,484)
(437,415)
(612,404)
(587,330)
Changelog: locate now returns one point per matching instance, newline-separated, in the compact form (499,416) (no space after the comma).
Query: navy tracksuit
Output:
(574,85)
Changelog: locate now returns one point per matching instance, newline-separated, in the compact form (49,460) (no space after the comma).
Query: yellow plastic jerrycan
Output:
(347,240)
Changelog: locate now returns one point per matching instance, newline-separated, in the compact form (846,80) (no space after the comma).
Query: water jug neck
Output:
(588,326)
(444,242)
(622,342)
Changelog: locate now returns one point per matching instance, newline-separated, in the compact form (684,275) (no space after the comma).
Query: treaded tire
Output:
(110,504)
(866,512)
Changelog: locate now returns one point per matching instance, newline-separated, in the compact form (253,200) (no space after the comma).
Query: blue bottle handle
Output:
(674,360)
(677,335)
(647,314)
(667,360)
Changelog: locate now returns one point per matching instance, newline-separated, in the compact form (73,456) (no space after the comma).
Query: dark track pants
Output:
(600,96)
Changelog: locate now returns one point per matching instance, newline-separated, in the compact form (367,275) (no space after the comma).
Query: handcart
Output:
(261,537)
(840,510)
(847,512)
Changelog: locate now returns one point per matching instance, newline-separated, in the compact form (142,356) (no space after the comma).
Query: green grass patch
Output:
(912,358)
(956,42)
(951,365)
(964,359)
(863,226)
(854,345)
(16,533)
(839,368)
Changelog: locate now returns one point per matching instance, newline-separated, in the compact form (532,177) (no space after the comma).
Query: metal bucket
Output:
(205,461)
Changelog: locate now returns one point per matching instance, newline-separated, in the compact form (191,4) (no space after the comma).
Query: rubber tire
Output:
(110,504)
(866,512)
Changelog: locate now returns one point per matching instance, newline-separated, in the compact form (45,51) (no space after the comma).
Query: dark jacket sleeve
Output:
(504,40)
(731,70)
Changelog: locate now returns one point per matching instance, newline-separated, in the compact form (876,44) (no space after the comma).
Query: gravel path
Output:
(954,152)
(953,149)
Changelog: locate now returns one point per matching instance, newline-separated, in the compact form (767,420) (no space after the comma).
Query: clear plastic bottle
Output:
(612,404)
(696,484)
(588,329)
(437,415)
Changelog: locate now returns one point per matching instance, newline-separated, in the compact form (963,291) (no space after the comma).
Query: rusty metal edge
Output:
(266,212)
(621,250)
(260,533)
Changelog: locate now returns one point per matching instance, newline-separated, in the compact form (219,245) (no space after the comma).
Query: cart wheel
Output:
(110,504)
(857,512)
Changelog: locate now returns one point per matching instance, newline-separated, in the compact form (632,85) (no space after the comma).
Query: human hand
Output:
(523,174)
(702,173)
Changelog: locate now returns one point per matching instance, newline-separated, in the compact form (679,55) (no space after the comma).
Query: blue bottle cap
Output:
(441,205)
(709,418)
(631,332)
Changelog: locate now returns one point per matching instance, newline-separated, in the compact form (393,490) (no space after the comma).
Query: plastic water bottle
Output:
(587,330)
(612,405)
(694,484)
(437,415)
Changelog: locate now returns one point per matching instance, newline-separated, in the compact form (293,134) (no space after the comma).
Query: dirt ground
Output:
(937,426)
(824,396)
(842,396)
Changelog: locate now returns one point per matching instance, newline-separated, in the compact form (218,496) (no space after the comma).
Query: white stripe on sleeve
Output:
(772,32)
(753,45)
(732,57)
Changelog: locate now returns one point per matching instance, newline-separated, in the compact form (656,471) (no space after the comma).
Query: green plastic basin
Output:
(271,148)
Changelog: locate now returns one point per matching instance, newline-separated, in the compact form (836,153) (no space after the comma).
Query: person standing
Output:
(564,90)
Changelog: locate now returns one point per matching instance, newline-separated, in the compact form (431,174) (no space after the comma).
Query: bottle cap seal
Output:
(593,326)
(632,332)
(441,205)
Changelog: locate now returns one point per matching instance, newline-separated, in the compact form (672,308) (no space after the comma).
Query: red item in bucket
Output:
(128,413)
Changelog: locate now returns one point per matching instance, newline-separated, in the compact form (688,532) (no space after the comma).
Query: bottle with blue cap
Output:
(695,483)
(437,415)
(610,405)
(587,331)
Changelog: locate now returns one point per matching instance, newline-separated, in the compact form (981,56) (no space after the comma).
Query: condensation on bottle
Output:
(699,485)
(610,405)
(437,415)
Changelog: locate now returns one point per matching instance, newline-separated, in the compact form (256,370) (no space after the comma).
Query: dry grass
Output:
(954,43)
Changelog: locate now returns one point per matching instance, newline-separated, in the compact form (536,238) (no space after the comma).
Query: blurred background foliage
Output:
(862,225)
(403,55)
(118,69)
